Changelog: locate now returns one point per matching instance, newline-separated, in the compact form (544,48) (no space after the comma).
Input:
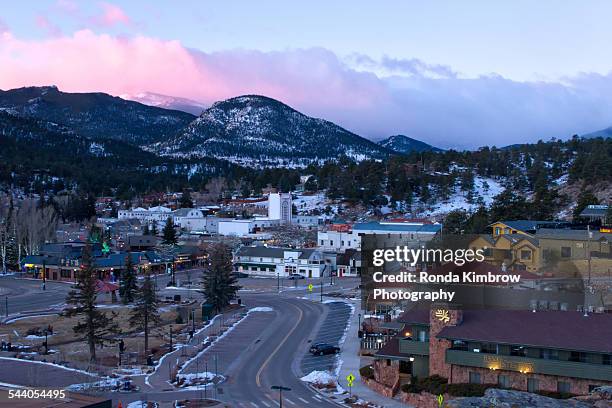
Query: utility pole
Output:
(170,338)
(44,276)
(277,282)
(205,377)
(321,290)
(6,305)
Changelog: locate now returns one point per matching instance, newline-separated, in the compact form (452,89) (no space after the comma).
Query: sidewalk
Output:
(351,362)
(167,365)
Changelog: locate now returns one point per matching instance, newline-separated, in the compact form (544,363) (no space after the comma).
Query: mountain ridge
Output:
(254,129)
(96,115)
(403,144)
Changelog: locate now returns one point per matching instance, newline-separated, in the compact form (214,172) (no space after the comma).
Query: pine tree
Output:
(169,233)
(186,201)
(95,326)
(146,230)
(128,286)
(154,231)
(219,284)
(145,313)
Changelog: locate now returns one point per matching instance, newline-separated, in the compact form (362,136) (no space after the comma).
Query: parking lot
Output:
(331,332)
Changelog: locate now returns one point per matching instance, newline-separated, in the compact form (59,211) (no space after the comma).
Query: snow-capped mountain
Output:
(167,102)
(404,144)
(95,115)
(260,131)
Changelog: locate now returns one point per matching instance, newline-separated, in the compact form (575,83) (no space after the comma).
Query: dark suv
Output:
(324,348)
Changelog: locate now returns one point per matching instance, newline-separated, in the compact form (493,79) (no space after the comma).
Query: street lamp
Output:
(280,389)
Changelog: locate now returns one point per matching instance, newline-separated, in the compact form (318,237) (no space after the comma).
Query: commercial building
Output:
(273,261)
(342,239)
(559,351)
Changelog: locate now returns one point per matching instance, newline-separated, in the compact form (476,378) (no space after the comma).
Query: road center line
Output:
(265,363)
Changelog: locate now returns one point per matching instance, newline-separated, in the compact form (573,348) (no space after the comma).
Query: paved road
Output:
(274,359)
(26,295)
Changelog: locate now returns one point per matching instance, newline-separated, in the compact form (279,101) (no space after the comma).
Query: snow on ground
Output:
(261,309)
(485,187)
(198,380)
(319,378)
(305,203)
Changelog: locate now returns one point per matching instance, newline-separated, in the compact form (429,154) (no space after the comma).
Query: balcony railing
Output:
(530,365)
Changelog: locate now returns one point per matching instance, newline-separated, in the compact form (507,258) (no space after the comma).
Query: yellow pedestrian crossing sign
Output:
(350,378)
(310,287)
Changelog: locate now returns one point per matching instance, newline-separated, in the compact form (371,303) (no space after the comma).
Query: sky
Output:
(453,74)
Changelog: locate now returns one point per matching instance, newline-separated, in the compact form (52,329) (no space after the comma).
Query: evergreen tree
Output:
(145,313)
(219,285)
(169,233)
(585,199)
(146,230)
(608,219)
(94,325)
(128,285)
(154,231)
(186,201)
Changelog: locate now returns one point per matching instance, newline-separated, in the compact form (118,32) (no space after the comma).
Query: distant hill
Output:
(167,102)
(404,144)
(607,132)
(95,115)
(256,130)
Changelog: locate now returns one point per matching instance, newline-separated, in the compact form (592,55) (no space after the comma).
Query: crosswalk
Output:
(272,401)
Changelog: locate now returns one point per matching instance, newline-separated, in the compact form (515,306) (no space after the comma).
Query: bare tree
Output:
(35,225)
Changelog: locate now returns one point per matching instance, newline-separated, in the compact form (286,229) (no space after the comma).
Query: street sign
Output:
(350,378)
(310,287)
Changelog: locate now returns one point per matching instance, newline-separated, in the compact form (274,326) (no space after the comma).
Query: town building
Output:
(349,237)
(273,261)
(280,207)
(599,212)
(523,226)
(556,351)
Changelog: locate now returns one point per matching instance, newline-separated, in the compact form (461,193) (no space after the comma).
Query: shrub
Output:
(179,319)
(366,372)
(556,394)
(433,384)
(439,385)
(468,390)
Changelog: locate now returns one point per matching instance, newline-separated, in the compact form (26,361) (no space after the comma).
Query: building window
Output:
(503,381)
(65,273)
(331,243)
(388,361)
(547,354)
(423,335)
(518,351)
(489,348)
(566,252)
(533,385)
(474,377)
(459,345)
(497,230)
(525,254)
(321,242)
(564,386)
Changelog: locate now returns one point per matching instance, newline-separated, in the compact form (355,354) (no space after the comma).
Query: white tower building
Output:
(279,207)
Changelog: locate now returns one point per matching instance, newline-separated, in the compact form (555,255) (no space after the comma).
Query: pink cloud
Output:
(449,112)
(87,61)
(3,26)
(44,23)
(111,15)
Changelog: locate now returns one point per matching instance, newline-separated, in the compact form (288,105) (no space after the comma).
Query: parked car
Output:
(240,274)
(295,276)
(324,348)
